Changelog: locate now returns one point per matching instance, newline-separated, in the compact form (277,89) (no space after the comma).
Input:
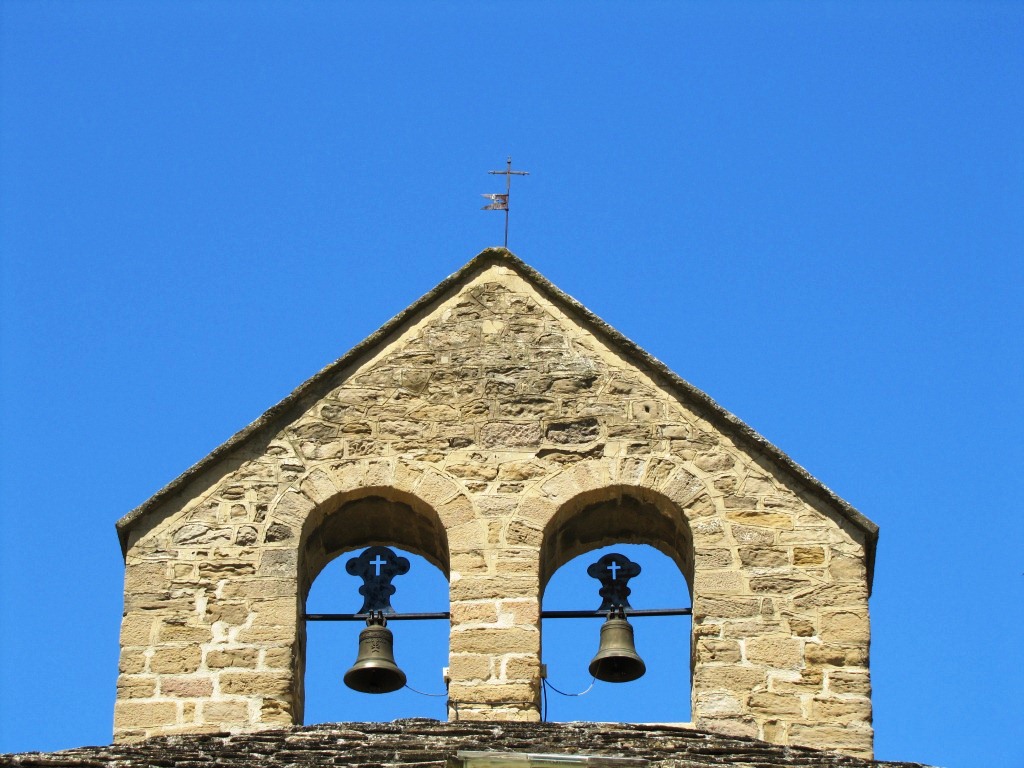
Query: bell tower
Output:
(498,429)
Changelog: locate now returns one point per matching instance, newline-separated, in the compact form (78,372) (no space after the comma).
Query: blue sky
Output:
(811,211)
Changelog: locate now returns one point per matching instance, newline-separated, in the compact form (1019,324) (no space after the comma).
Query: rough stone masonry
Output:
(499,429)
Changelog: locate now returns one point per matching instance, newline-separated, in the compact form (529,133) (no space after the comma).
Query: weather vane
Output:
(499,202)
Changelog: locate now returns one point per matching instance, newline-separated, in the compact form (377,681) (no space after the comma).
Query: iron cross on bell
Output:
(617,660)
(375,670)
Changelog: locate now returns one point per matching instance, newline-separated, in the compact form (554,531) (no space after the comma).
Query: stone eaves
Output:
(431,744)
(279,415)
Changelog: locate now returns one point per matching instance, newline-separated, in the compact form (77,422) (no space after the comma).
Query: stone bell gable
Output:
(498,429)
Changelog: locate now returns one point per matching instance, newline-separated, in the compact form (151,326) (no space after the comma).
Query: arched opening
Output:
(652,531)
(662,694)
(421,647)
(332,534)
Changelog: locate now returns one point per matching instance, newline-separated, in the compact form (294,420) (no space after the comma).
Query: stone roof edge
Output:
(726,420)
(724,749)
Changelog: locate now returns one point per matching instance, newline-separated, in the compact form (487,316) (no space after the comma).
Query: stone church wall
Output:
(499,437)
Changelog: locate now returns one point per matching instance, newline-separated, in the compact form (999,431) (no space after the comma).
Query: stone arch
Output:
(617,514)
(635,501)
(623,501)
(361,503)
(364,517)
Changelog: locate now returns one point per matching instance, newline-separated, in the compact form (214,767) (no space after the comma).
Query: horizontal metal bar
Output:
(629,612)
(364,617)
(543,615)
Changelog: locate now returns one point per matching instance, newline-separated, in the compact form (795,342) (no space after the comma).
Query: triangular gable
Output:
(288,409)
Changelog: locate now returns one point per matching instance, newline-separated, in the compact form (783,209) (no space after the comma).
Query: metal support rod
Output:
(603,614)
(364,617)
(543,615)
(508,173)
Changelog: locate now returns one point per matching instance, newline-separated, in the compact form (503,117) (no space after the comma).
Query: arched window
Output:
(420,648)
(568,645)
(336,531)
(632,521)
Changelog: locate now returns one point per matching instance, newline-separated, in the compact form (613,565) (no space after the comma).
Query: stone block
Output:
(845,569)
(732,677)
(483,612)
(713,558)
(465,667)
(834,655)
(232,612)
(781,584)
(509,434)
(172,660)
(495,641)
(275,712)
(855,681)
(754,517)
(137,629)
(177,686)
(728,582)
(845,627)
(225,712)
(752,535)
(171,632)
(135,714)
(843,710)
(762,557)
(144,576)
(276,613)
(855,740)
(711,650)
(776,652)
(728,725)
(493,693)
(132,661)
(521,668)
(255,683)
(808,555)
(775,731)
(278,658)
(464,562)
(774,704)
(521,611)
(803,681)
(136,686)
(718,703)
(245,658)
(492,588)
(724,608)
(259,587)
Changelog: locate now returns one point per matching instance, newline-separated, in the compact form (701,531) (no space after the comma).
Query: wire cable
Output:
(422,693)
(581,693)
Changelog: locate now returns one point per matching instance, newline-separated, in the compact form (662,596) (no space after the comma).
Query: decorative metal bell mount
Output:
(617,660)
(375,670)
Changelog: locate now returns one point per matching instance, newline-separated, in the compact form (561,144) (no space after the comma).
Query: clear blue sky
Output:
(811,211)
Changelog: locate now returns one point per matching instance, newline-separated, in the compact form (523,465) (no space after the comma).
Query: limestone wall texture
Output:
(499,430)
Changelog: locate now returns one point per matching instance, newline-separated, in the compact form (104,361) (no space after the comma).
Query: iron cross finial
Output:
(377,566)
(499,202)
(613,571)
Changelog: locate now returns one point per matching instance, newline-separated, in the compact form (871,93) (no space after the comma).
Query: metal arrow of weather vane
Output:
(499,202)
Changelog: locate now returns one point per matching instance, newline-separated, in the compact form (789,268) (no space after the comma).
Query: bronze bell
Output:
(617,660)
(375,670)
